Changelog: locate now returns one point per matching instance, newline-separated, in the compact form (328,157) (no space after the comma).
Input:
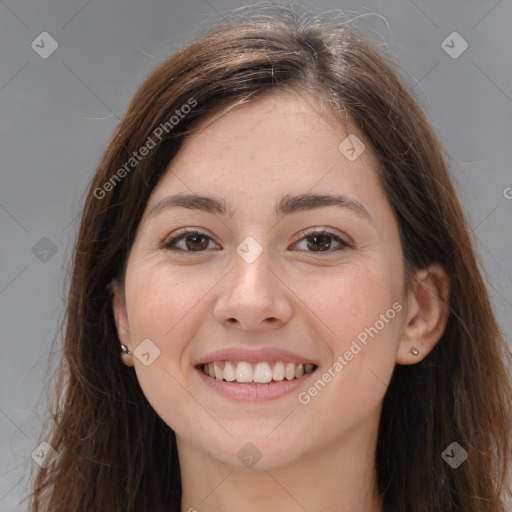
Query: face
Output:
(261,284)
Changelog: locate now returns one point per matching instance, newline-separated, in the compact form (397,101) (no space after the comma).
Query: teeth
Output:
(289,372)
(260,373)
(219,374)
(244,372)
(278,371)
(229,372)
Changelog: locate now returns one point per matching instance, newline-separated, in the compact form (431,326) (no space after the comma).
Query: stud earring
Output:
(415,351)
(124,350)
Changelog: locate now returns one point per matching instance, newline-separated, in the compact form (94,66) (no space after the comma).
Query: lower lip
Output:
(254,392)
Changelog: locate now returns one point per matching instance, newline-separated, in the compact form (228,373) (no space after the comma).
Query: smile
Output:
(262,372)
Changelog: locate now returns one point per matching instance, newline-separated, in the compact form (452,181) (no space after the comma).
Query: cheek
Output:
(161,308)
(362,311)
(356,303)
(351,300)
(159,301)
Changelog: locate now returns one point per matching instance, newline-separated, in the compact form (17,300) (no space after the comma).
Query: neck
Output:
(340,476)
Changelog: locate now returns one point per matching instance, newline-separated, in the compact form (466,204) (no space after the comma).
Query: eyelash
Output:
(182,234)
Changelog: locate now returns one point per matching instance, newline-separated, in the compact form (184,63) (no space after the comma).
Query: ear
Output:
(121,320)
(427,314)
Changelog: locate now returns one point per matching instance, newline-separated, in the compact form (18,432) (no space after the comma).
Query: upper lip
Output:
(254,356)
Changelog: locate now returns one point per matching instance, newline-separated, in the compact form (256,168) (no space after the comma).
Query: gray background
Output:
(58,113)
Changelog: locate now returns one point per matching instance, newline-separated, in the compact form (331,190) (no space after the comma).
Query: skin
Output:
(318,456)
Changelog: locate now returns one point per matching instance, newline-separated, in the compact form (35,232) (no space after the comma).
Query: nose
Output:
(252,296)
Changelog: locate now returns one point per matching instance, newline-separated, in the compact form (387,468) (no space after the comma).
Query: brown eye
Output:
(322,241)
(196,242)
(191,241)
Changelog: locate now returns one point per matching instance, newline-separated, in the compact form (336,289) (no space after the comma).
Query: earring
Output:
(124,350)
(415,351)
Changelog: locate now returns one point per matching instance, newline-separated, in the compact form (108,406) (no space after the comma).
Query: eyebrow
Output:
(287,205)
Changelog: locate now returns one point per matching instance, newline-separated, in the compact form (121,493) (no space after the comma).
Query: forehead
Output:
(281,143)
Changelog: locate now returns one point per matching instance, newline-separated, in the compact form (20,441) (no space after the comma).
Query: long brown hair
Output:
(115,453)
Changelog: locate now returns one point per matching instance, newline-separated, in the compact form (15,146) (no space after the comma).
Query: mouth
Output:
(255,373)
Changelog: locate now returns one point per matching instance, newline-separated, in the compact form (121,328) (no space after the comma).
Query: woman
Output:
(275,302)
